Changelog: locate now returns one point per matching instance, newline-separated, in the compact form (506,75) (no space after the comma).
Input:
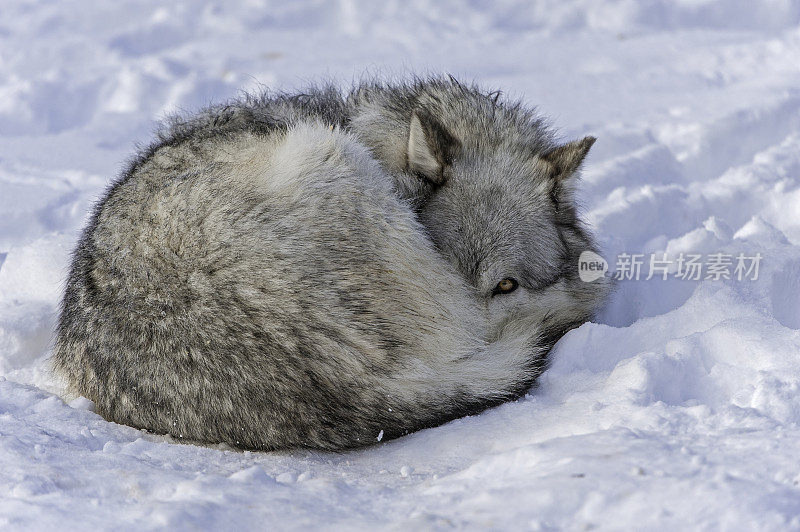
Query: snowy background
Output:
(679,408)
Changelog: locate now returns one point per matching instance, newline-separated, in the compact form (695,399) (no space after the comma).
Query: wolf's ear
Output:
(564,160)
(431,148)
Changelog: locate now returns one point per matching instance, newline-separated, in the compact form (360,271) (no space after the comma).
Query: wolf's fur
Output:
(257,278)
(500,202)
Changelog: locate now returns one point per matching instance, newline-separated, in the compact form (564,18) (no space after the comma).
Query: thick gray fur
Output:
(291,271)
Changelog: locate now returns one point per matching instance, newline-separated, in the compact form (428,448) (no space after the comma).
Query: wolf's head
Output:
(494,192)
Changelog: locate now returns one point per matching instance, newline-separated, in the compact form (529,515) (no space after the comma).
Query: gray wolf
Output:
(323,270)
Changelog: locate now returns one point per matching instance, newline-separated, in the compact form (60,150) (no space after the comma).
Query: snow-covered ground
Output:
(680,408)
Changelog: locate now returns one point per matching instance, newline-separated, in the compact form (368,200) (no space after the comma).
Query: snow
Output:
(679,408)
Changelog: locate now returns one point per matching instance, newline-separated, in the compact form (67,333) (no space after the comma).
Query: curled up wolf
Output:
(319,269)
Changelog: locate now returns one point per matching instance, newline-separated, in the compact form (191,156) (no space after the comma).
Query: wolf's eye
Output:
(506,286)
